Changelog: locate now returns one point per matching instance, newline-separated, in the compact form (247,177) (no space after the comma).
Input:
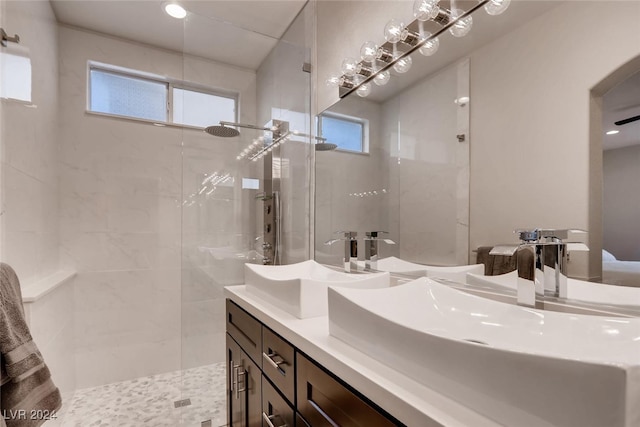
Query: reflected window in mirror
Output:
(348,133)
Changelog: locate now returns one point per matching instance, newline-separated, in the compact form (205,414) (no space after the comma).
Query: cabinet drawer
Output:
(246,330)
(278,362)
(276,412)
(323,401)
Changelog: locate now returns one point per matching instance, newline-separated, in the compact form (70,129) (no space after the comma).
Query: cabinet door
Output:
(244,401)
(323,401)
(276,412)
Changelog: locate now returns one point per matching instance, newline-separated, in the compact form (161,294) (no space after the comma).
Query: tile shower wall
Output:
(30,149)
(121,194)
(341,176)
(29,229)
(428,168)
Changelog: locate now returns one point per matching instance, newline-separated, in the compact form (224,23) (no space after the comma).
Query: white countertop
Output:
(410,402)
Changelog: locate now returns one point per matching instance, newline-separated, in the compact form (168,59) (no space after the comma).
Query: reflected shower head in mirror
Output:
(325,146)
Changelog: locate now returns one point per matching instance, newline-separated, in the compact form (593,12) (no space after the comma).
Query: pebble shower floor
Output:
(151,401)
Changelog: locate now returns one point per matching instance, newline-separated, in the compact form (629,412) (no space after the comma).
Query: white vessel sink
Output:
(301,289)
(455,273)
(578,290)
(518,366)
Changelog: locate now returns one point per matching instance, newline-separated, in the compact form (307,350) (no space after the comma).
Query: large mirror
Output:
(530,152)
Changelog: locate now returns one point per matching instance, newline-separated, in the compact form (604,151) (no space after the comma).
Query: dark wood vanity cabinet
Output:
(272,384)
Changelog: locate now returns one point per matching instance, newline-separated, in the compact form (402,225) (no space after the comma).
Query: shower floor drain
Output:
(182,403)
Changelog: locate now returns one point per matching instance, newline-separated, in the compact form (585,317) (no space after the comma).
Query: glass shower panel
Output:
(220,212)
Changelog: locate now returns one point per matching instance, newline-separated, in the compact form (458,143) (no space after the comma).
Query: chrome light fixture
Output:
(402,40)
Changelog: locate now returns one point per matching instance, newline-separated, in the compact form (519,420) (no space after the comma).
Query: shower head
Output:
(225,131)
(325,146)
(222,131)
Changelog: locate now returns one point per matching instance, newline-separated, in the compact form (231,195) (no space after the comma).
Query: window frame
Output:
(364,124)
(169,83)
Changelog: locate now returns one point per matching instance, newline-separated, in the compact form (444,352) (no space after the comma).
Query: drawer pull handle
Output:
(275,360)
(269,420)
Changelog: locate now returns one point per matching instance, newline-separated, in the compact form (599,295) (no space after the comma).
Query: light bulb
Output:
(175,10)
(431,46)
(462,26)
(333,81)
(496,7)
(423,10)
(368,51)
(364,90)
(403,65)
(393,31)
(382,78)
(349,66)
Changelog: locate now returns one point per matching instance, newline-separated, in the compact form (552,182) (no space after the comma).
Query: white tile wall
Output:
(29,150)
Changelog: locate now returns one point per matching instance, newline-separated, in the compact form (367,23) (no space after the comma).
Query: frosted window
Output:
(201,109)
(128,96)
(15,81)
(250,183)
(346,134)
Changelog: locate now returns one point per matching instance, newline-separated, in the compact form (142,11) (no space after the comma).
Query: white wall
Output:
(621,202)
(530,119)
(121,197)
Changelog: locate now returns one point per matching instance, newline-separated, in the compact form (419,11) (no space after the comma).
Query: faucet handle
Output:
(374,234)
(347,234)
(548,233)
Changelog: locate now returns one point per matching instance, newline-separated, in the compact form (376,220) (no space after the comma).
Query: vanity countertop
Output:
(410,402)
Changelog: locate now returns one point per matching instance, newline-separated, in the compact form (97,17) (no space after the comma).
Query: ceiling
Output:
(240,32)
(622,102)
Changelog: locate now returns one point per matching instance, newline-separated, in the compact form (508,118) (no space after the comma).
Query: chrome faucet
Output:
(350,249)
(371,248)
(548,250)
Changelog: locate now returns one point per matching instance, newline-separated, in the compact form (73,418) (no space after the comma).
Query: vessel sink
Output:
(578,290)
(455,273)
(518,366)
(301,289)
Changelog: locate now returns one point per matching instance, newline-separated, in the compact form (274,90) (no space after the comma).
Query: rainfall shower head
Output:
(222,131)
(325,146)
(225,129)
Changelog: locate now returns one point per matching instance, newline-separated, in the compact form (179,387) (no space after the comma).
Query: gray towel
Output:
(27,394)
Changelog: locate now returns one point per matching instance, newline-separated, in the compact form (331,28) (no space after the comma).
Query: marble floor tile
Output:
(150,401)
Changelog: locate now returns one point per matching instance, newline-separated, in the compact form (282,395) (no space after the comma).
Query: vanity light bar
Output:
(347,84)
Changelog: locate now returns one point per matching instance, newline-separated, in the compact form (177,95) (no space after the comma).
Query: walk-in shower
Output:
(136,220)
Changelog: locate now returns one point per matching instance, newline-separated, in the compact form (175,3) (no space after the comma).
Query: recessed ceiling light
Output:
(612,132)
(175,10)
